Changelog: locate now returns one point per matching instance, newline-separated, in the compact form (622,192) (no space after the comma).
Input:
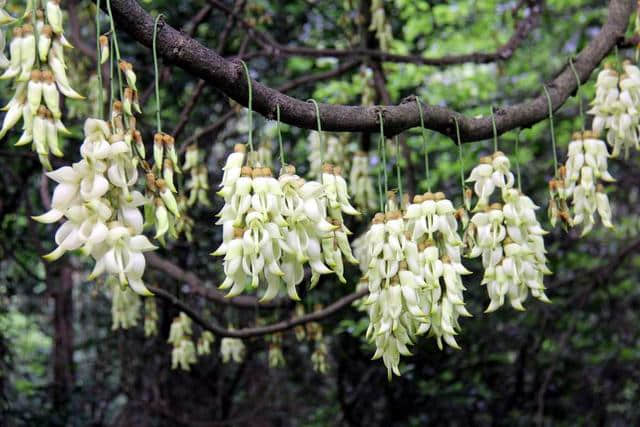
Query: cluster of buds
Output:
(586,164)
(413,268)
(615,107)
(361,184)
(101,210)
(150,317)
(125,307)
(204,343)
(320,355)
(275,356)
(161,186)
(232,349)
(507,235)
(558,209)
(330,150)
(271,227)
(37,67)
(381,25)
(183,354)
(198,184)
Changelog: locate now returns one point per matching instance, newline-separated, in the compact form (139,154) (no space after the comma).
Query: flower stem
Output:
(553,136)
(155,69)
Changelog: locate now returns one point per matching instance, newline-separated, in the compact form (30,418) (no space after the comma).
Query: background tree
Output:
(574,361)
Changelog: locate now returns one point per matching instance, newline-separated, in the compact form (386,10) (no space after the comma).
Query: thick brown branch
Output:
(229,78)
(316,316)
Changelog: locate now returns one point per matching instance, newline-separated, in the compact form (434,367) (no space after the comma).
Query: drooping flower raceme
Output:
(434,253)
(232,349)
(586,165)
(329,149)
(271,227)
(36,98)
(508,236)
(125,307)
(100,209)
(183,354)
(381,25)
(361,183)
(615,108)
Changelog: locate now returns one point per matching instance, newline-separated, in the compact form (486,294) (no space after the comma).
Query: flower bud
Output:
(104,49)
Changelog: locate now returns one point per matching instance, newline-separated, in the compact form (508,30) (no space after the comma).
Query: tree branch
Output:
(198,287)
(259,330)
(274,48)
(229,77)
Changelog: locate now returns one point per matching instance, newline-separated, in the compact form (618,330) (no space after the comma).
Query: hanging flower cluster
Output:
(271,227)
(204,343)
(183,354)
(329,149)
(586,165)
(361,184)
(507,235)
(232,349)
(615,108)
(413,268)
(380,24)
(320,355)
(150,317)
(5,19)
(100,208)
(125,307)
(198,184)
(161,187)
(38,69)
(275,355)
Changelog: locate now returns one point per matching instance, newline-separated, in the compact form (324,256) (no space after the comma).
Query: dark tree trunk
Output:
(61,286)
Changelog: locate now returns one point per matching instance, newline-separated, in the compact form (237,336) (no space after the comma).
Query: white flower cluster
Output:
(204,343)
(5,19)
(413,270)
(198,184)
(380,25)
(586,164)
(150,317)
(329,150)
(95,197)
(507,235)
(160,183)
(320,355)
(183,354)
(615,108)
(125,307)
(37,66)
(361,184)
(271,227)
(232,349)
(275,355)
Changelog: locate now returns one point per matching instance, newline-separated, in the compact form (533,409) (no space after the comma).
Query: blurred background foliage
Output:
(573,362)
